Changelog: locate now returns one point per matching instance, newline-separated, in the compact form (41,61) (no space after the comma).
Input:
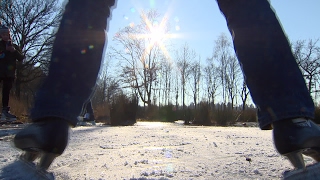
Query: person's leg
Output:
(89,115)
(271,72)
(76,57)
(75,62)
(86,116)
(275,81)
(6,88)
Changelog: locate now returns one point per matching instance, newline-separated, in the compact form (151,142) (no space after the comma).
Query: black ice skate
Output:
(45,139)
(292,138)
(6,115)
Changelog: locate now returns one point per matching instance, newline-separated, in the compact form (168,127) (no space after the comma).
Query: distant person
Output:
(9,55)
(87,115)
(271,73)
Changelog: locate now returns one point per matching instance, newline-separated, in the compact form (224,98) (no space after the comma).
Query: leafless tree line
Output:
(186,78)
(180,80)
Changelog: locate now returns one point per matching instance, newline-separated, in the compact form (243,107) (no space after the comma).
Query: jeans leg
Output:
(275,81)
(75,61)
(7,85)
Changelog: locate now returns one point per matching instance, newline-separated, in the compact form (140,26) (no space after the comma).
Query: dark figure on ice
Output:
(276,84)
(9,55)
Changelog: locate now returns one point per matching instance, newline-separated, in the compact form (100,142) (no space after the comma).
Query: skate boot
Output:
(45,139)
(86,120)
(6,115)
(295,137)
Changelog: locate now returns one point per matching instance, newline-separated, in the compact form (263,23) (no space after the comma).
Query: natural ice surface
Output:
(163,151)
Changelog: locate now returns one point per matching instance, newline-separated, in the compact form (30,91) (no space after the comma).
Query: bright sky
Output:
(199,24)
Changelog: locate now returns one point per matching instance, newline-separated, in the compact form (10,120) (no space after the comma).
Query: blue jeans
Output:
(75,62)
(6,87)
(273,77)
(276,84)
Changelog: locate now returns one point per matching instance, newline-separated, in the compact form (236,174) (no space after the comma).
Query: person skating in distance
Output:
(10,54)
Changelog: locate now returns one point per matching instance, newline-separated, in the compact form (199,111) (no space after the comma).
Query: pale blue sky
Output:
(201,23)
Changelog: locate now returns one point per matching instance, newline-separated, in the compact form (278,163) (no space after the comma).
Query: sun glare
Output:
(157,34)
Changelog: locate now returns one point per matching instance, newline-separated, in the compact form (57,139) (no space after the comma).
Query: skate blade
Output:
(37,172)
(296,159)
(30,156)
(46,159)
(312,152)
(311,172)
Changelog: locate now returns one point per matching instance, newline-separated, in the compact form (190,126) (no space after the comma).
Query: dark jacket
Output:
(8,60)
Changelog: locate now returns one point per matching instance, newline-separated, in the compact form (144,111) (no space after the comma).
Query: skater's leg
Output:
(89,116)
(86,116)
(276,84)
(74,66)
(76,59)
(7,85)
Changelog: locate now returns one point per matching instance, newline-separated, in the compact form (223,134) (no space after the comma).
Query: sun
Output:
(157,34)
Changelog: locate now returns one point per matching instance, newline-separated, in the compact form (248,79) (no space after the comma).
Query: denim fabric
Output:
(272,75)
(75,61)
(6,87)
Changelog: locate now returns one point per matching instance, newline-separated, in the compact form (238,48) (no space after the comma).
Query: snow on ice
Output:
(158,151)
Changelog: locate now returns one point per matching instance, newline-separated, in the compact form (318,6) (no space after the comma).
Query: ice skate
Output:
(38,170)
(44,140)
(86,120)
(7,116)
(297,137)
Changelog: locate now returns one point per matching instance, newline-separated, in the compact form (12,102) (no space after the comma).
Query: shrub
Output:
(224,116)
(123,111)
(202,115)
(248,115)
(167,113)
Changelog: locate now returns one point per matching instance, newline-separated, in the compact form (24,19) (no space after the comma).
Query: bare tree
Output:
(307,55)
(244,94)
(184,58)
(228,68)
(232,77)
(211,81)
(195,75)
(106,89)
(141,54)
(176,89)
(166,80)
(221,54)
(33,24)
